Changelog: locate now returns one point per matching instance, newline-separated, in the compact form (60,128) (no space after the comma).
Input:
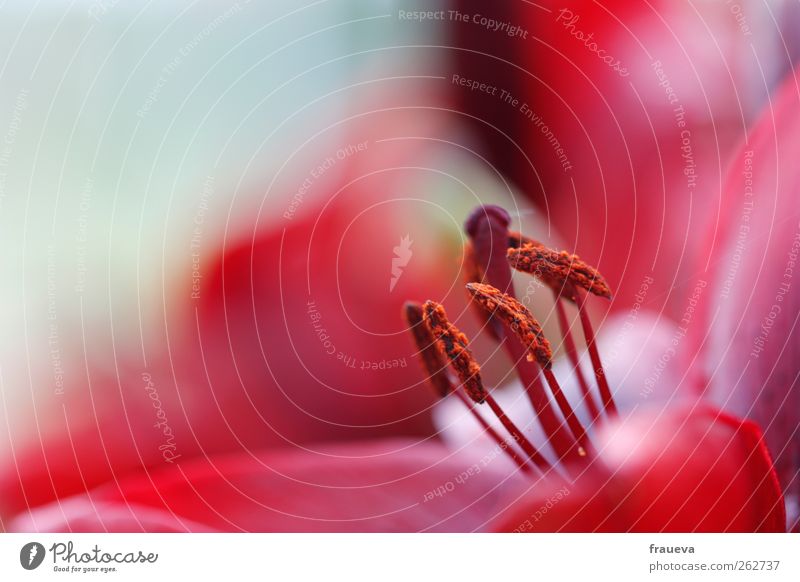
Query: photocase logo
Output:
(31,555)
(402,255)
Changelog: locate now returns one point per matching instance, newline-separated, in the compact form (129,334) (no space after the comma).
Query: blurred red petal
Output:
(749,339)
(386,486)
(676,471)
(622,123)
(294,336)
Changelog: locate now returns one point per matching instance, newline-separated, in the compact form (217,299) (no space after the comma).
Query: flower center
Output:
(452,369)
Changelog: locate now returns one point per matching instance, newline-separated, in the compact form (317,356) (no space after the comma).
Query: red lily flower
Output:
(675,469)
(749,357)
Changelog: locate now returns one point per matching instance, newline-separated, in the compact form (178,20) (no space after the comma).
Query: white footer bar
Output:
(407,557)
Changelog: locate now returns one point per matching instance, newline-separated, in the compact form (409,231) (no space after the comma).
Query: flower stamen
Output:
(453,344)
(473,273)
(572,354)
(432,361)
(487,227)
(559,266)
(574,276)
(489,255)
(493,434)
(435,368)
(520,321)
(606,397)
(517,240)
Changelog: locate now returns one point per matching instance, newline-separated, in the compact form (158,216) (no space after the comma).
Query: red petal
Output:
(680,471)
(376,487)
(751,359)
(245,366)
(623,201)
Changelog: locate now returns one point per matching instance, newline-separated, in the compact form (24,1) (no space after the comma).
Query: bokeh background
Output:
(201,202)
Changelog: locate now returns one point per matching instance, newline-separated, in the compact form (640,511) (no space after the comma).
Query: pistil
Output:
(487,228)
